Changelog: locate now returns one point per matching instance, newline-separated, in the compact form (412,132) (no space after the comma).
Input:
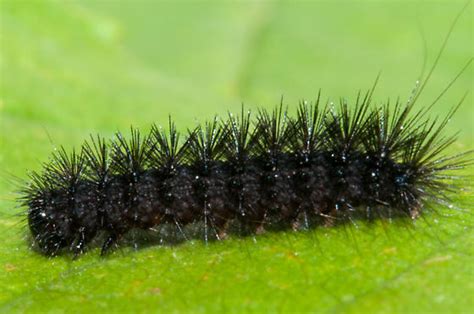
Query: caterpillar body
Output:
(323,166)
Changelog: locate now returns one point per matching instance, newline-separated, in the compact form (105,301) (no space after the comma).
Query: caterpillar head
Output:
(50,223)
(64,218)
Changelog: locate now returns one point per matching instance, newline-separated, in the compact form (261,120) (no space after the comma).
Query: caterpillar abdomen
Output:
(320,167)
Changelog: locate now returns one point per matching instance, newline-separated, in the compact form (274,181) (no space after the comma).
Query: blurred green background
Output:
(71,68)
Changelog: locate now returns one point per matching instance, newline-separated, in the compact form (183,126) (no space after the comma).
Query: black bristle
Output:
(96,153)
(166,151)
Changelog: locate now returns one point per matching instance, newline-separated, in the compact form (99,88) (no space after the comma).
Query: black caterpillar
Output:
(325,165)
(322,166)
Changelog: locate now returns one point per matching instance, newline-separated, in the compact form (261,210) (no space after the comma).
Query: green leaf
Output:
(68,69)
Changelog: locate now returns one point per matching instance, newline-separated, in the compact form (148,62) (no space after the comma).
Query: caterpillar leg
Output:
(296,225)
(111,240)
(260,229)
(329,215)
(415,211)
(222,226)
(79,245)
(300,220)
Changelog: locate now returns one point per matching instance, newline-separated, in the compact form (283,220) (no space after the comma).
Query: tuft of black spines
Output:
(324,165)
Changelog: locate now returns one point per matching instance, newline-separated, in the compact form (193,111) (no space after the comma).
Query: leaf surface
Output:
(68,69)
